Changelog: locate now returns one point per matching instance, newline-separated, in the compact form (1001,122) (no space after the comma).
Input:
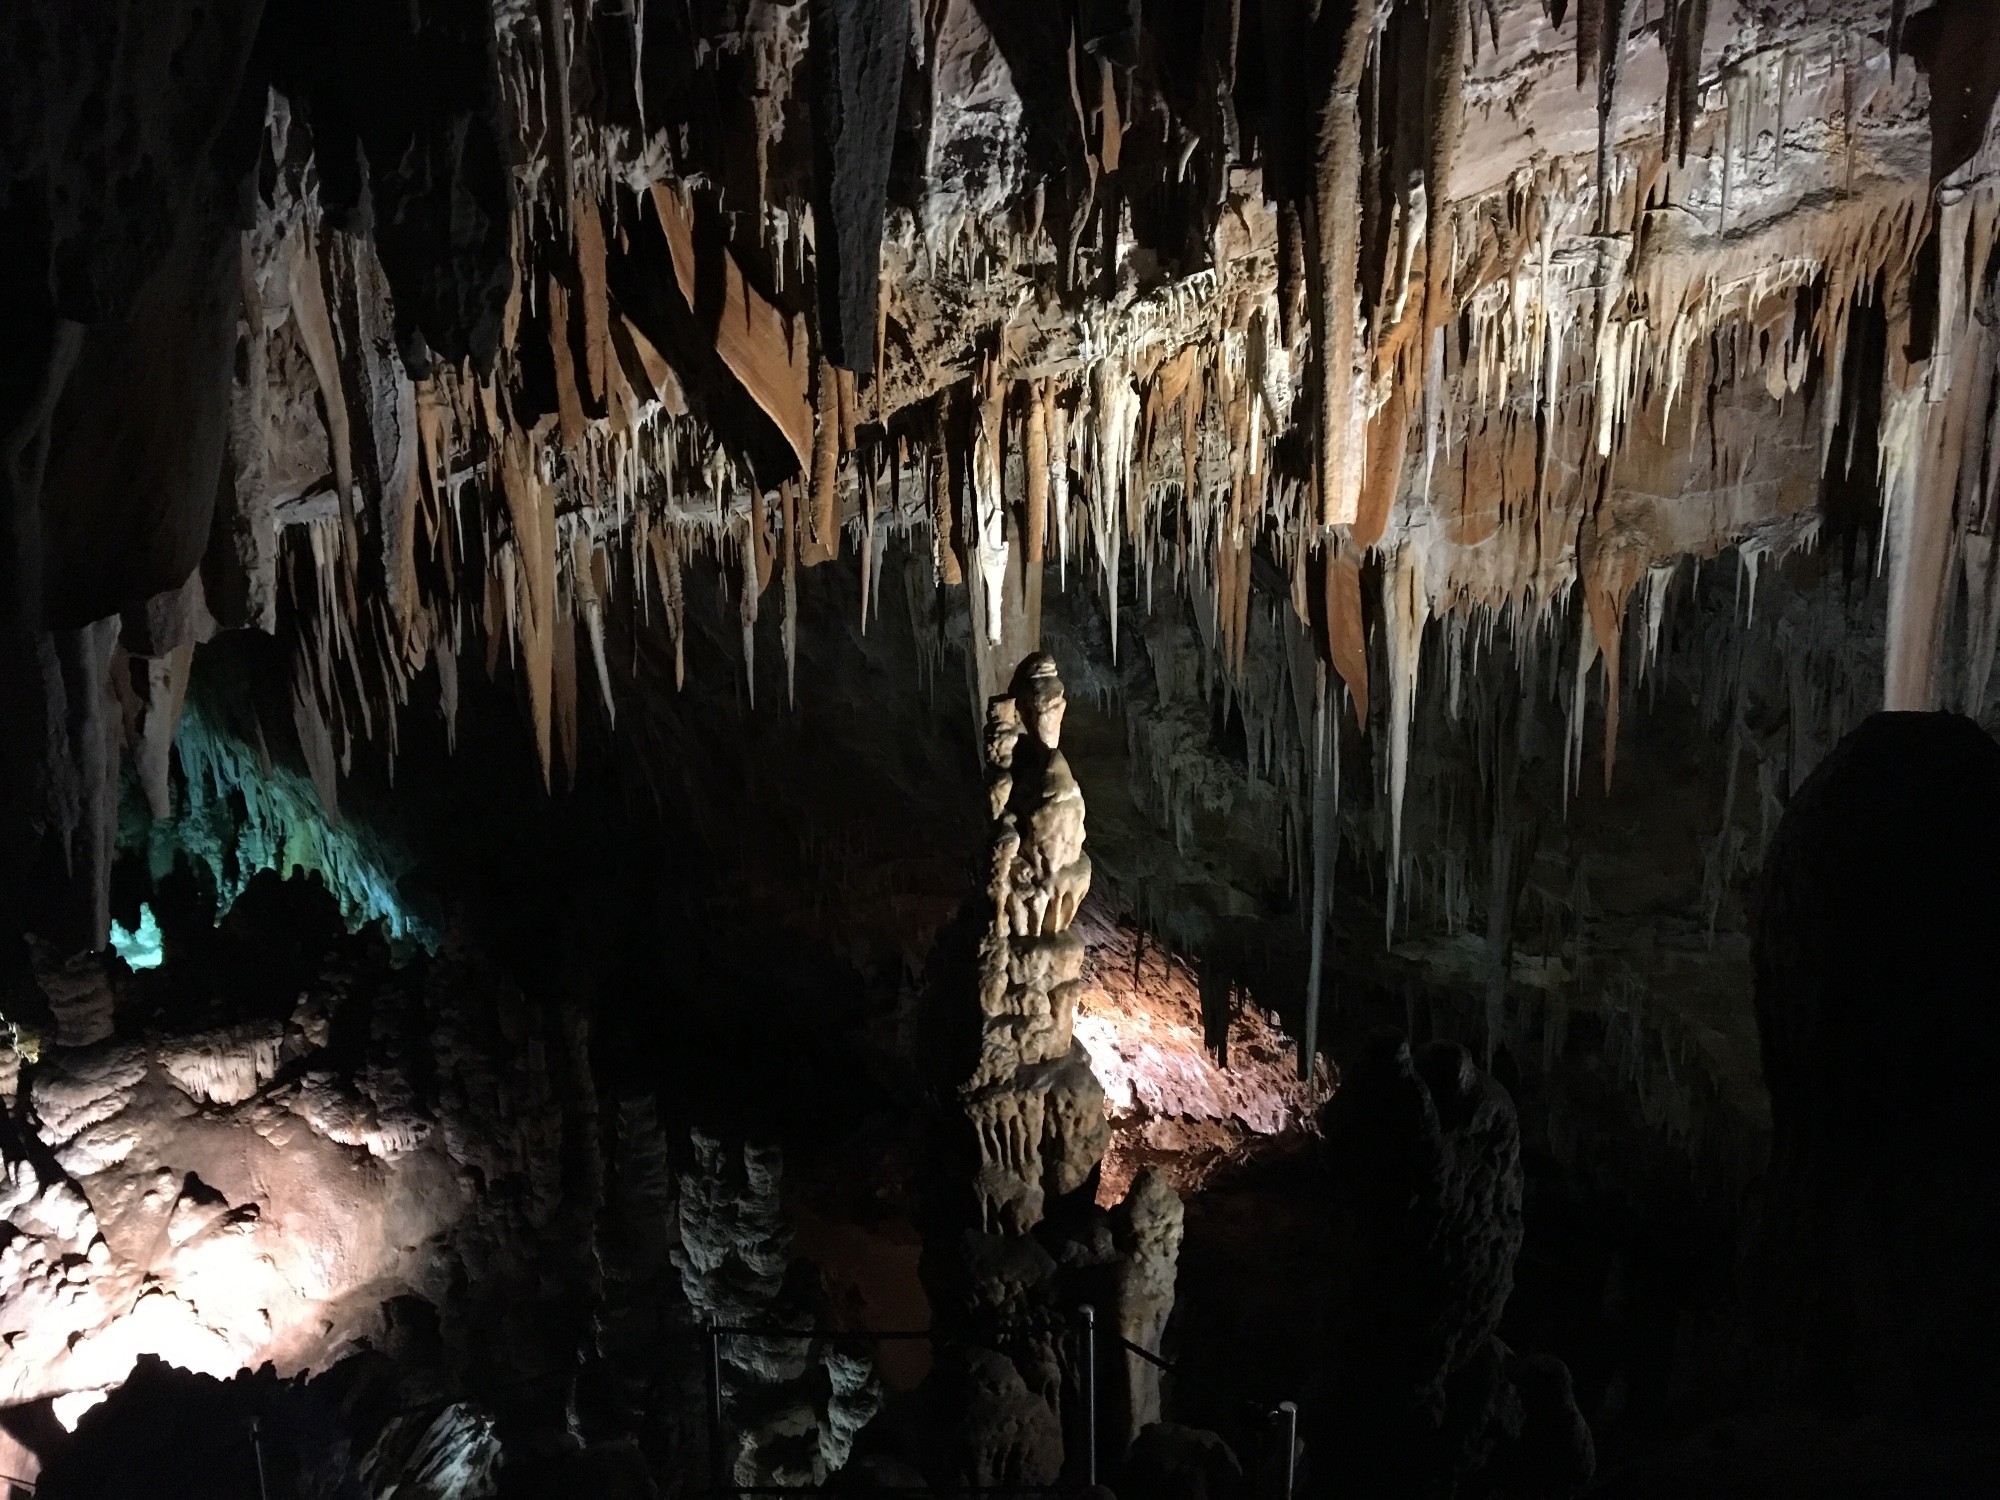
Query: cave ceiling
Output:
(420,337)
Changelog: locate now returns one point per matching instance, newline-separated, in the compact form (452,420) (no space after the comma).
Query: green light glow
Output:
(142,948)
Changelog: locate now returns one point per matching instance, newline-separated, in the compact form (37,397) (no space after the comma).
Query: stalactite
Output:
(1610,577)
(1115,417)
(1038,471)
(1059,467)
(989,513)
(590,585)
(667,567)
(570,420)
(1631,339)
(1444,113)
(824,542)
(589,227)
(755,568)
(315,743)
(1589,38)
(1925,452)
(1611,65)
(531,512)
(315,325)
(1335,206)
(564,694)
(1405,608)
(944,541)
(1347,645)
(1687,26)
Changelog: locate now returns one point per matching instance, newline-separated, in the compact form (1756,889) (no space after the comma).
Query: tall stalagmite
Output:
(1014,1241)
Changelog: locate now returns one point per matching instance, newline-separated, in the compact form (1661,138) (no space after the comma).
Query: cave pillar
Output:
(1014,1241)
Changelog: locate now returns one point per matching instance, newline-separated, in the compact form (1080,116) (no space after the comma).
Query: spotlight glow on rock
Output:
(142,947)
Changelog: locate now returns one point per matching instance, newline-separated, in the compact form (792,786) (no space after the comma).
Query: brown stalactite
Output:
(667,570)
(1111,131)
(1337,265)
(570,419)
(531,511)
(824,543)
(1610,576)
(1388,436)
(1346,636)
(596,299)
(850,410)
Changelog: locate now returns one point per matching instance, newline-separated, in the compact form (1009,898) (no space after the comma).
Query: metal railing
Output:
(1285,1413)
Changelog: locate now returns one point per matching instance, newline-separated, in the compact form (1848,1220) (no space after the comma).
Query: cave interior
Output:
(1199,750)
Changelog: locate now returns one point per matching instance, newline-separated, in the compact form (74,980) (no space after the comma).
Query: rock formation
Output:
(1146,1226)
(1014,1241)
(1421,1397)
(396,1190)
(1873,955)
(791,1405)
(458,326)
(1473,458)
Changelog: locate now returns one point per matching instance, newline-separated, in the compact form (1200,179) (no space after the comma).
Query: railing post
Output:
(1090,1394)
(1289,1411)
(257,1447)
(716,1476)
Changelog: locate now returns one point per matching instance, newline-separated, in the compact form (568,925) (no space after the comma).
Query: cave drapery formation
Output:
(1378,407)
